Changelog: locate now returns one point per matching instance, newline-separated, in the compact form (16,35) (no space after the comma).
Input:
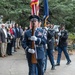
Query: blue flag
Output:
(46,8)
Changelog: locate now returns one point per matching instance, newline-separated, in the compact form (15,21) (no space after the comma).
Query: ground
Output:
(17,65)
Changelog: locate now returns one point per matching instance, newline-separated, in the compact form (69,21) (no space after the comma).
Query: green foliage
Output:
(71,36)
(19,10)
(16,10)
(62,11)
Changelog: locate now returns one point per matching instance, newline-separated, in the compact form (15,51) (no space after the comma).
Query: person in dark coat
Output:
(62,45)
(9,42)
(39,40)
(3,40)
(50,44)
(18,35)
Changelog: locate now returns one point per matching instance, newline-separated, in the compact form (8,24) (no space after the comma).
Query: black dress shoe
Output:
(57,64)
(53,68)
(68,62)
(18,47)
(15,50)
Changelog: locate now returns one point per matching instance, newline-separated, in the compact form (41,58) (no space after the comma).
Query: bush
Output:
(71,36)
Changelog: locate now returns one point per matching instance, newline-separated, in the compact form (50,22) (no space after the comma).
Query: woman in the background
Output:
(9,42)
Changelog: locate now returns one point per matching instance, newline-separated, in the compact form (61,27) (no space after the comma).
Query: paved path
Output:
(17,65)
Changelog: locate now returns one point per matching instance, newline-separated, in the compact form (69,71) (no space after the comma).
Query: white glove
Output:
(56,40)
(31,50)
(46,46)
(46,28)
(59,34)
(33,38)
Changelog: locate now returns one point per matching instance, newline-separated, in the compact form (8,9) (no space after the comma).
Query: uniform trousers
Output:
(32,67)
(35,69)
(40,65)
(64,49)
(51,57)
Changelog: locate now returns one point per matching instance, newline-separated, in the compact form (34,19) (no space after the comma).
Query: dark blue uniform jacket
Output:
(26,44)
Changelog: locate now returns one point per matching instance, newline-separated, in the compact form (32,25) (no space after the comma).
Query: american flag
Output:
(35,7)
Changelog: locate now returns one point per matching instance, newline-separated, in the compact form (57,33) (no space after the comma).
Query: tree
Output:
(19,10)
(62,11)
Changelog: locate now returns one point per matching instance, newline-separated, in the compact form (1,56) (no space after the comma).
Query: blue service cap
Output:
(34,17)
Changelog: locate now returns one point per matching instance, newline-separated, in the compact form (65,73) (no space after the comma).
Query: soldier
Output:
(62,45)
(39,40)
(50,44)
(45,47)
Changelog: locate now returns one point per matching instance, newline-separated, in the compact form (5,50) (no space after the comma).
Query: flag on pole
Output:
(46,11)
(35,7)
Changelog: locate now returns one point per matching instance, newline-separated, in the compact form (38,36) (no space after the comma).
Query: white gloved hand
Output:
(46,28)
(59,34)
(56,40)
(46,46)
(31,50)
(33,38)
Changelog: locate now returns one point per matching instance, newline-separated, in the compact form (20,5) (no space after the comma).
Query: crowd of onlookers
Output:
(10,39)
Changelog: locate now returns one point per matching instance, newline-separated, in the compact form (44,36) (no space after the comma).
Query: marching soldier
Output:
(62,45)
(39,40)
(50,44)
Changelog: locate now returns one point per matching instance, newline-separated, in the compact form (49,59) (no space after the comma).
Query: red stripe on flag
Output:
(34,8)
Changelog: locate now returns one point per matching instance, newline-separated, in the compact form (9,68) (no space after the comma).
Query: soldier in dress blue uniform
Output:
(39,40)
(45,48)
(62,45)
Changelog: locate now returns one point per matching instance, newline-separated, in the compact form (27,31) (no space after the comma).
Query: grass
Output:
(71,36)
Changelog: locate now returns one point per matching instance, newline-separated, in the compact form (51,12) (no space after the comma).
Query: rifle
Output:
(33,58)
(56,37)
